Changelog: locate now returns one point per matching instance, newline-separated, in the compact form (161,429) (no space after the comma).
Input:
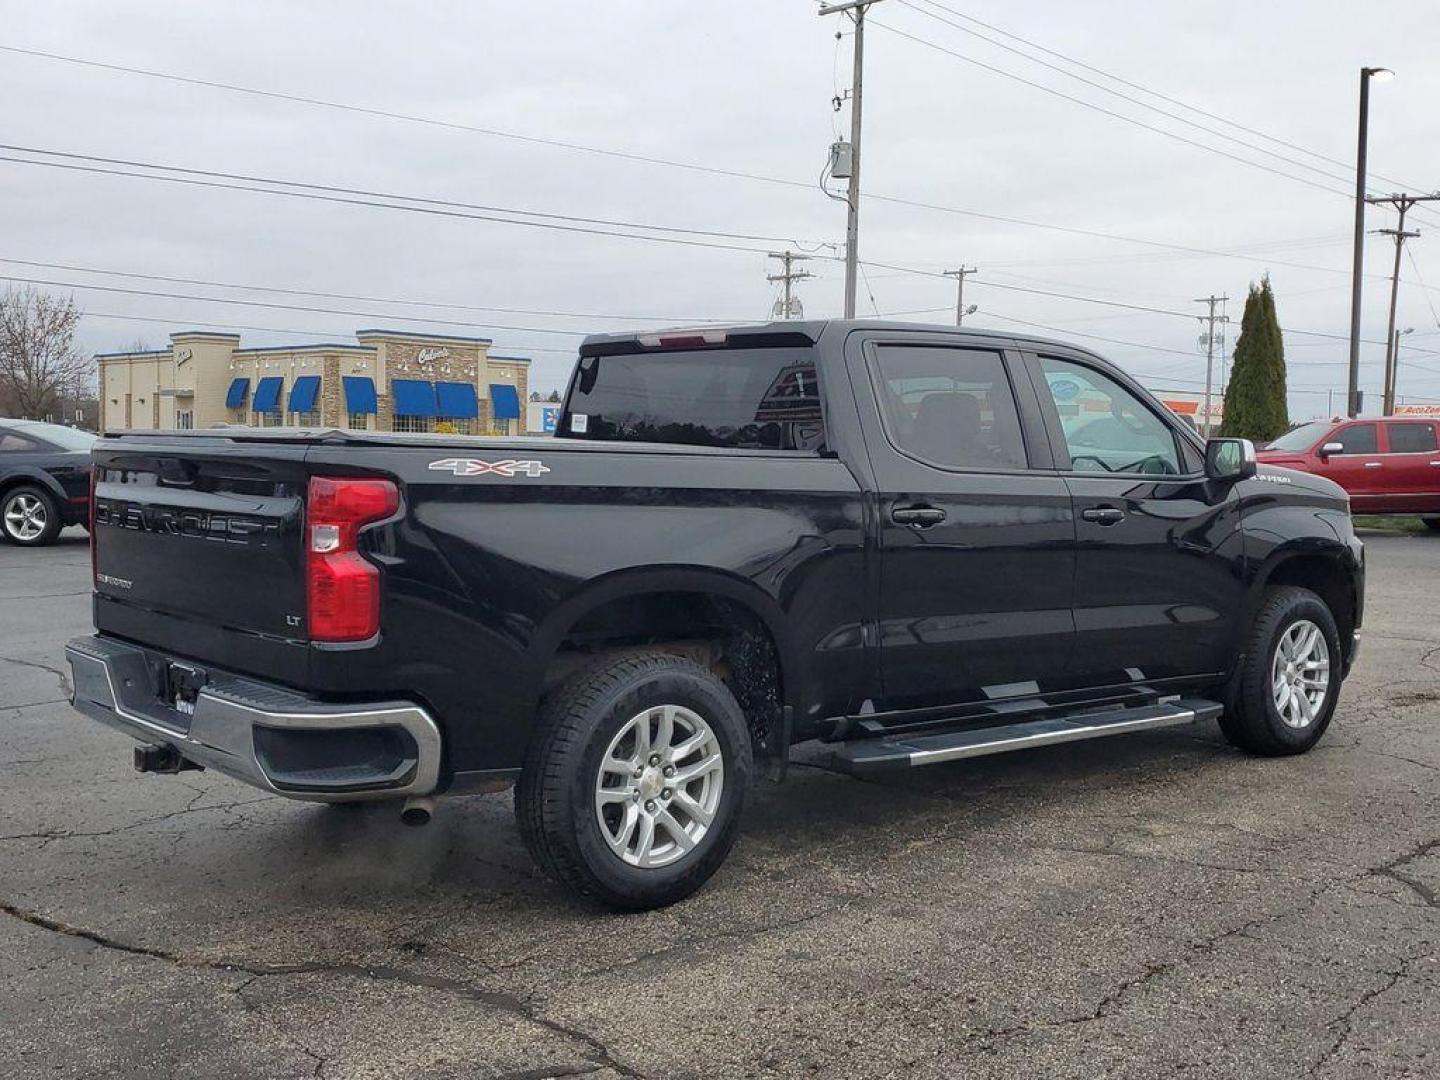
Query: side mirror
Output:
(1332,448)
(1229,459)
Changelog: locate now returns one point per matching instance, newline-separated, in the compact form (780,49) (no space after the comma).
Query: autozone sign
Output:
(475,467)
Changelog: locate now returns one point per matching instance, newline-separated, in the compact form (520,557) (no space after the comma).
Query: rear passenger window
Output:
(1411,438)
(1358,439)
(949,407)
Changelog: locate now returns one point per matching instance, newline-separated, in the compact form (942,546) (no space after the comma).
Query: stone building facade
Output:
(389,380)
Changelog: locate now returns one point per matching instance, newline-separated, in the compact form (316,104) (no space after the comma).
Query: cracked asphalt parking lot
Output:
(1150,906)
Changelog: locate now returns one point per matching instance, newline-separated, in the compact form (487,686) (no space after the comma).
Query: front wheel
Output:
(1291,676)
(632,788)
(1432,523)
(29,516)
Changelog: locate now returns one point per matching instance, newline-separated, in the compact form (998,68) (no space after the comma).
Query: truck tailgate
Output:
(198,550)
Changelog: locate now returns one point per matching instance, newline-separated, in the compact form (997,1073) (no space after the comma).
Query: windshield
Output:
(66,438)
(1303,437)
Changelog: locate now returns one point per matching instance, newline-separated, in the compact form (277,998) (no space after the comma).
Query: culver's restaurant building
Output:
(389,380)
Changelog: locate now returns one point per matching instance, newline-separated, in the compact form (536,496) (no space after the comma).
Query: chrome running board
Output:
(891,752)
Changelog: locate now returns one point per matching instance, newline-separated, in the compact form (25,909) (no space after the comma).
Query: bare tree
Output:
(39,363)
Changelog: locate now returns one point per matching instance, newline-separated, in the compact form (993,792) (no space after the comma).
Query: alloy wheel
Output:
(25,517)
(658,786)
(1300,674)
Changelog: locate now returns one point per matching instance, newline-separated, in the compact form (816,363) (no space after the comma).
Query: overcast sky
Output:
(745,86)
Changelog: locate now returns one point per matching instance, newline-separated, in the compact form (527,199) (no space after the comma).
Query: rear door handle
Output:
(1374,464)
(919,516)
(1104,515)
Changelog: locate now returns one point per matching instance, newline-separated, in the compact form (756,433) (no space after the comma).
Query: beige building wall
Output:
(186,385)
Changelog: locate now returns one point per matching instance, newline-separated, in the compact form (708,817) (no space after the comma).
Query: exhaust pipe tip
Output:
(417,811)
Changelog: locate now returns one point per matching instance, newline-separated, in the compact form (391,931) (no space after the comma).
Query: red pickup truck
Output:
(1388,466)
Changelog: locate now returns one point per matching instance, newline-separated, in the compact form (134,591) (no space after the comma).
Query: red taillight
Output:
(343,586)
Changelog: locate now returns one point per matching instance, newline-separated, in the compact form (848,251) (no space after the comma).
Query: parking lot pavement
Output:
(1143,907)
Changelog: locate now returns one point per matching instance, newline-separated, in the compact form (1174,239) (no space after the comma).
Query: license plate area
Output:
(183,683)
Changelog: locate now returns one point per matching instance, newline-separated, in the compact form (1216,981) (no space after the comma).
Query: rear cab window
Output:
(739,398)
(1410,437)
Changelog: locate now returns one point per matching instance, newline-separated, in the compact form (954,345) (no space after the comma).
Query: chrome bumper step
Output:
(899,752)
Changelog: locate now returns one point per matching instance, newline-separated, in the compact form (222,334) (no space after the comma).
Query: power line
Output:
(363,299)
(375,201)
(412,118)
(378,316)
(1101,109)
(1416,267)
(807,184)
(1153,93)
(1116,93)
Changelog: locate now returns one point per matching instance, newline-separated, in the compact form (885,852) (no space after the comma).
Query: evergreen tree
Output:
(1255,406)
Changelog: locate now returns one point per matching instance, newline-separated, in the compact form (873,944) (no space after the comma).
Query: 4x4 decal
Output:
(472,467)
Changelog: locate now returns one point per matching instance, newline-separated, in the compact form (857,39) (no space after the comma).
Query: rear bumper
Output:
(259,733)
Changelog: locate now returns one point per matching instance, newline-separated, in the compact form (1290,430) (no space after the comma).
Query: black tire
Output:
(1432,523)
(555,798)
(29,495)
(1252,721)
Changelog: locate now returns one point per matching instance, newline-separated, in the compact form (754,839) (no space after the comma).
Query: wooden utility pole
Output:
(959,276)
(789,307)
(856,9)
(1402,203)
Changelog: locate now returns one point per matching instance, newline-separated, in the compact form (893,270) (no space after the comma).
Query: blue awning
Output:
(267,394)
(504,401)
(235,396)
(359,394)
(413,397)
(304,393)
(456,401)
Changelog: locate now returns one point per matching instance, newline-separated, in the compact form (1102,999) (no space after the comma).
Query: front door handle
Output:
(921,517)
(1374,464)
(1104,515)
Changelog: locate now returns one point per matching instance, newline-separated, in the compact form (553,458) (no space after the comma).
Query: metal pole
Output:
(1358,268)
(1210,321)
(1209,364)
(852,216)
(1395,372)
(1392,361)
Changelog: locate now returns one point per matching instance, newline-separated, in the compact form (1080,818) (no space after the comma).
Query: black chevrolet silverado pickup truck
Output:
(913,544)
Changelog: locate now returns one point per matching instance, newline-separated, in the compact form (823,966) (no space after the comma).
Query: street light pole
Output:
(852,198)
(1357,272)
(1392,373)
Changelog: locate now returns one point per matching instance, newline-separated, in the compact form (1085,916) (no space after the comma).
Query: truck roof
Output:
(810,330)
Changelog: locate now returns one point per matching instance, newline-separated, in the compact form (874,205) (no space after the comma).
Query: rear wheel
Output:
(1432,523)
(29,516)
(632,789)
(1291,678)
